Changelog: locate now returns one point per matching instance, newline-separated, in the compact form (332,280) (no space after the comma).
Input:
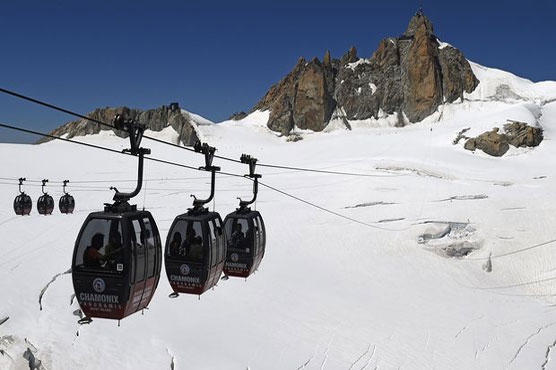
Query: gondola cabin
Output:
(195,251)
(22,202)
(246,237)
(45,204)
(116,263)
(66,204)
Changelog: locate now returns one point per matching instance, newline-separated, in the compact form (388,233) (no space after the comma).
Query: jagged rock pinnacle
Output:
(417,21)
(408,76)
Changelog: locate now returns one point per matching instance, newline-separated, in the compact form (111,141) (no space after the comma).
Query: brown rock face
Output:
(410,75)
(495,143)
(327,60)
(387,54)
(491,142)
(313,104)
(301,99)
(422,76)
(457,74)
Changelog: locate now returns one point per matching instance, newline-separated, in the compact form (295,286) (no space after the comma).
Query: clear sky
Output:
(219,57)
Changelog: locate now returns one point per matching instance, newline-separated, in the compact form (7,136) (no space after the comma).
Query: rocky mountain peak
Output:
(419,21)
(407,76)
(350,56)
(155,119)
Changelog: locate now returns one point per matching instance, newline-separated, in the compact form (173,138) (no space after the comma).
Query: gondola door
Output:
(217,250)
(144,278)
(259,246)
(222,245)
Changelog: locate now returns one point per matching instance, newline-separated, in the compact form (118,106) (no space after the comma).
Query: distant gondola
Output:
(117,256)
(196,245)
(245,233)
(22,202)
(66,204)
(45,204)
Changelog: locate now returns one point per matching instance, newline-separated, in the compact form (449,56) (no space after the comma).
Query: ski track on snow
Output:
(43,291)
(547,355)
(529,339)
(363,355)
(467,326)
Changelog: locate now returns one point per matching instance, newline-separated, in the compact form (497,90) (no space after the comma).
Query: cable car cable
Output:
(513,252)
(67,111)
(260,183)
(197,169)
(329,211)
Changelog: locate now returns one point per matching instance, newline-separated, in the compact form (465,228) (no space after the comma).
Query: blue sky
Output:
(219,57)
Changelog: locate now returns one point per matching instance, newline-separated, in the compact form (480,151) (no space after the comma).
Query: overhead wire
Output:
(99,122)
(20,129)
(517,251)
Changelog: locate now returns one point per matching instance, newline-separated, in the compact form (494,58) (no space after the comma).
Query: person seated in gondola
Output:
(237,237)
(192,246)
(113,252)
(175,245)
(92,256)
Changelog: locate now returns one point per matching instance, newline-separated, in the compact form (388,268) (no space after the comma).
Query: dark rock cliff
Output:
(412,74)
(155,119)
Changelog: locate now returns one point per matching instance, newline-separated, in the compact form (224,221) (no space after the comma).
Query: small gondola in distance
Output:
(22,202)
(45,203)
(245,232)
(66,204)
(117,256)
(196,245)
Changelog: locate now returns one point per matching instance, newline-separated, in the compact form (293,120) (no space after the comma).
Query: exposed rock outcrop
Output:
(313,104)
(155,119)
(491,142)
(496,143)
(421,71)
(410,76)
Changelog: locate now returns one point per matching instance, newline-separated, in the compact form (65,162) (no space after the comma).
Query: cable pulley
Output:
(208,152)
(252,162)
(22,202)
(135,131)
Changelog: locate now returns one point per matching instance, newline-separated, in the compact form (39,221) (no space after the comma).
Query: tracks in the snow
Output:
(43,291)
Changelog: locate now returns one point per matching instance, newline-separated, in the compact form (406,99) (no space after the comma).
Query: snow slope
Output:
(330,294)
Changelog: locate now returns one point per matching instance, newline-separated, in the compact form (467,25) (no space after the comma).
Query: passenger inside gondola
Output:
(192,247)
(92,256)
(113,252)
(238,237)
(175,245)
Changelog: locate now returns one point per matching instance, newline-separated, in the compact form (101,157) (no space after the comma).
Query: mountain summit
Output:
(409,76)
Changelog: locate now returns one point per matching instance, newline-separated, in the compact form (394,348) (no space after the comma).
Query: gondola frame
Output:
(45,204)
(66,204)
(131,296)
(191,277)
(23,204)
(240,263)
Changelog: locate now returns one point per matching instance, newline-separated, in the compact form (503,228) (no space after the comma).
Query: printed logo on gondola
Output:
(99,285)
(185,270)
(234,257)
